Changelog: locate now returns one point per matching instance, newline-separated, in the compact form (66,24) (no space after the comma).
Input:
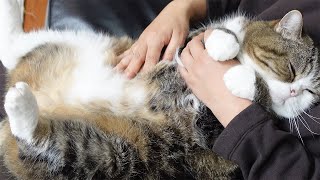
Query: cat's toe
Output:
(240,80)
(222,46)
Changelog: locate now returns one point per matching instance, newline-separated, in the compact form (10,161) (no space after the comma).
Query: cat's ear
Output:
(290,26)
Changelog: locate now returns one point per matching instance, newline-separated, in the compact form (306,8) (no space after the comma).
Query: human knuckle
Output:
(131,70)
(151,58)
(123,63)
(136,55)
(170,54)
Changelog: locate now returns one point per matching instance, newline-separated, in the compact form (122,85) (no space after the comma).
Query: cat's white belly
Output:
(93,81)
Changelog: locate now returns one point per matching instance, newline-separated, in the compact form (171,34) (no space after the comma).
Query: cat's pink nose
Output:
(293,93)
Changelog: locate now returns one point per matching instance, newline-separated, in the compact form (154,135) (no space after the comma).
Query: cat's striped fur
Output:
(60,126)
(92,142)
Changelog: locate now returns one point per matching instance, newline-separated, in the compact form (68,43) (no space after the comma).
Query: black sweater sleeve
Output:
(219,8)
(265,151)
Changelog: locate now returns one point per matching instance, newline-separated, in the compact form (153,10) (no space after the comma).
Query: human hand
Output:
(169,28)
(205,78)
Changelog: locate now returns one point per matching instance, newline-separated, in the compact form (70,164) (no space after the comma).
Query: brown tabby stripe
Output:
(72,153)
(263,62)
(270,50)
(277,55)
(307,68)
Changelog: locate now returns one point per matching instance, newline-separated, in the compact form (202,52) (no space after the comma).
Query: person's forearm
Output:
(195,9)
(228,108)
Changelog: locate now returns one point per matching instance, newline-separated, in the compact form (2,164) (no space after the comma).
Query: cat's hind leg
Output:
(10,28)
(22,110)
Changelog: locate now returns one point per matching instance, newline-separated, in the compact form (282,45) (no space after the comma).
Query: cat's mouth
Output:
(292,106)
(290,96)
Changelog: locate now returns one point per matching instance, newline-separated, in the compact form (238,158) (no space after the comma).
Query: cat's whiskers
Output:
(303,120)
(310,116)
(306,125)
(297,129)
(295,123)
(291,125)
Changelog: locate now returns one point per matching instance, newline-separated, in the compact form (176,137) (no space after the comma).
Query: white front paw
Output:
(222,46)
(240,80)
(22,110)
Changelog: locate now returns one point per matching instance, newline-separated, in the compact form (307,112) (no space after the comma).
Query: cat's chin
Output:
(293,107)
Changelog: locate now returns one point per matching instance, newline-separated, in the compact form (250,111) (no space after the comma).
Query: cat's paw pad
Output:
(240,80)
(19,99)
(222,46)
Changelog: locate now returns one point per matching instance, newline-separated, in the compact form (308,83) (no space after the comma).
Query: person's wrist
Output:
(228,108)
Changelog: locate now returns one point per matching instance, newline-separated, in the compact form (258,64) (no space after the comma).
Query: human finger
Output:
(124,54)
(123,64)
(153,55)
(186,58)
(183,72)
(135,64)
(196,46)
(125,59)
(175,42)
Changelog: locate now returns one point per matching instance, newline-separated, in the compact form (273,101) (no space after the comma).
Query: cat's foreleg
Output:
(222,46)
(226,38)
(22,110)
(10,27)
(240,80)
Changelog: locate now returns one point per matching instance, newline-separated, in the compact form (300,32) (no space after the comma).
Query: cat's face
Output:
(288,61)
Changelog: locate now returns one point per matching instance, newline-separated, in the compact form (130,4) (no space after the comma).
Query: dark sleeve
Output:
(218,8)
(264,151)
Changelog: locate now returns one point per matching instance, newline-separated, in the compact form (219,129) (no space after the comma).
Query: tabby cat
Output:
(71,116)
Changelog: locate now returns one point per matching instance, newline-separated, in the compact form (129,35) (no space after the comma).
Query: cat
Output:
(279,63)
(71,116)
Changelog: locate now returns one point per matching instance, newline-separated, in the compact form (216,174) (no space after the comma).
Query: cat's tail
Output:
(10,26)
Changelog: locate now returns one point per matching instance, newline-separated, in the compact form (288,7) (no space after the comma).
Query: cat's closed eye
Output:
(310,91)
(293,71)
